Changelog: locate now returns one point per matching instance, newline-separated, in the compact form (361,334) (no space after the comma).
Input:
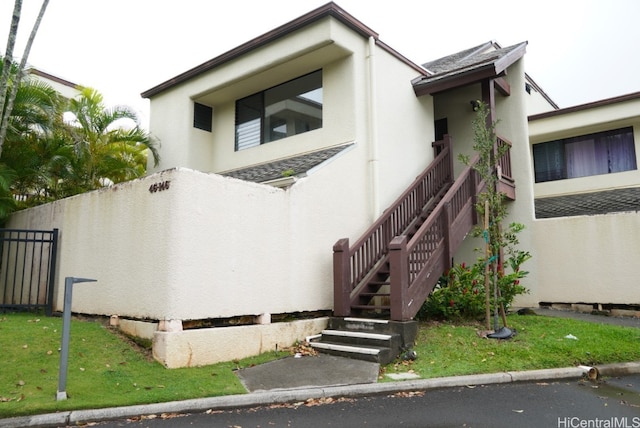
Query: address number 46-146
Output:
(159,187)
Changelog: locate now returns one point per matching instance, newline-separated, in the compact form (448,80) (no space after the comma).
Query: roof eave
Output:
(591,105)
(497,68)
(455,81)
(328,10)
(511,57)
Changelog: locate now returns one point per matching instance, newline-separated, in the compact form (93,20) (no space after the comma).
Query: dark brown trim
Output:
(53,78)
(455,81)
(587,106)
(503,86)
(402,58)
(328,10)
(510,57)
(490,70)
(489,98)
(540,91)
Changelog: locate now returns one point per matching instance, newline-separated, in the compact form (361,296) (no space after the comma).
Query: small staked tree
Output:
(499,243)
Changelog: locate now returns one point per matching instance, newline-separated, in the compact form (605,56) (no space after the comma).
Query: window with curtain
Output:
(593,154)
(288,109)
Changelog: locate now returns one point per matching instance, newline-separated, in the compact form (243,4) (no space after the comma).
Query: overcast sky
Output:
(579,50)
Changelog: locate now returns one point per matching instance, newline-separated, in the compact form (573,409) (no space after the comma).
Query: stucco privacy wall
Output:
(206,247)
(588,259)
(118,236)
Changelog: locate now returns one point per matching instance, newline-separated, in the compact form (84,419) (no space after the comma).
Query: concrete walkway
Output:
(299,379)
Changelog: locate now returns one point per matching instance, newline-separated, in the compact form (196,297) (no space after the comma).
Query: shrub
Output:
(460,293)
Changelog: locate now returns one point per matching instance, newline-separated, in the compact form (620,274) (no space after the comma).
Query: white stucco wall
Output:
(118,236)
(536,102)
(588,259)
(207,247)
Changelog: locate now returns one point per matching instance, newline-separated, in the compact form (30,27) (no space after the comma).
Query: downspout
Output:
(372,130)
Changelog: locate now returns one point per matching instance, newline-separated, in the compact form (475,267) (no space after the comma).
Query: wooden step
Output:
(367,294)
(371,307)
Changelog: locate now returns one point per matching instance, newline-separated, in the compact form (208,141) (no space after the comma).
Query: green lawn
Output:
(107,370)
(446,349)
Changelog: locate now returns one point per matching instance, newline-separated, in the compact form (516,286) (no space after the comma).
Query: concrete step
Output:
(360,338)
(380,355)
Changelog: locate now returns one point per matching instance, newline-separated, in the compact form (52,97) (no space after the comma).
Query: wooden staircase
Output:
(389,272)
(375,295)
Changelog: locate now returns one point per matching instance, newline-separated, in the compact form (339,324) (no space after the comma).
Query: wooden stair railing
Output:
(410,255)
(417,262)
(361,263)
(506,183)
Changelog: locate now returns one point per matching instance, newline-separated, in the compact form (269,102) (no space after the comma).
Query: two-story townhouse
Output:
(288,176)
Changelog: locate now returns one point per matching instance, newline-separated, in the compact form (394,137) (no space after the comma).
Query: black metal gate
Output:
(27,268)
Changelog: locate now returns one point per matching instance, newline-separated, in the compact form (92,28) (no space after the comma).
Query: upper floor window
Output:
(593,154)
(202,117)
(288,109)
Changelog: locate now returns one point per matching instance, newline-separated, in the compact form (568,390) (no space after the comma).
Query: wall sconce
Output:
(475,105)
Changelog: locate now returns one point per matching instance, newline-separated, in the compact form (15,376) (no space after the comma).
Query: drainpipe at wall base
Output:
(372,131)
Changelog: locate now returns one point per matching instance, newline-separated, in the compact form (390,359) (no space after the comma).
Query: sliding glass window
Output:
(288,109)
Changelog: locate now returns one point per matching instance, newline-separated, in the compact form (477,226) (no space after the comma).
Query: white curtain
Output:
(585,158)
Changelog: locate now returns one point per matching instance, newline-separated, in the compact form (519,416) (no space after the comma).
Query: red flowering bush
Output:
(460,293)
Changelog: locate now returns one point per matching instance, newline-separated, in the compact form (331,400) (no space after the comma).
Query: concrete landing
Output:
(308,371)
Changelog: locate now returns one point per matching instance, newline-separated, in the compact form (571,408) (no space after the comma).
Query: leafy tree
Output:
(36,114)
(45,158)
(109,146)
(48,158)
(500,244)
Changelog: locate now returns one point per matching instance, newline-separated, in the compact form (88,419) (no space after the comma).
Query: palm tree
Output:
(109,145)
(46,158)
(8,91)
(36,115)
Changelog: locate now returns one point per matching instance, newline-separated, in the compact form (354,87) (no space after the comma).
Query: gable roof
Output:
(296,165)
(328,10)
(484,61)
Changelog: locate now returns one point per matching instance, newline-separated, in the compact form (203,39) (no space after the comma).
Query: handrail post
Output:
(341,279)
(448,144)
(399,277)
(446,225)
